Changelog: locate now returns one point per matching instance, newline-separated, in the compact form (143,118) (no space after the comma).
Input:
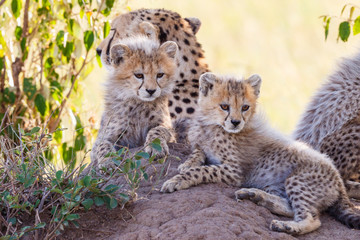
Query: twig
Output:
(26,19)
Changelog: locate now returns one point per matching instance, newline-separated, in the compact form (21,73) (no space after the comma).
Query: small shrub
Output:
(37,198)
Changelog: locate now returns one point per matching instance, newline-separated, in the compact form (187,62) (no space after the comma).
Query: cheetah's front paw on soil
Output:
(173,184)
(151,151)
(250,194)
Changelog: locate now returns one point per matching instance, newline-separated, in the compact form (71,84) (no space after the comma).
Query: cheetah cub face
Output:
(228,102)
(141,68)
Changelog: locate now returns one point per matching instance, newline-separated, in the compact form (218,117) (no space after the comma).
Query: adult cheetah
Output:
(331,122)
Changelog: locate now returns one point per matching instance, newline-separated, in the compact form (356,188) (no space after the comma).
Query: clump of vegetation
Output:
(46,51)
(37,198)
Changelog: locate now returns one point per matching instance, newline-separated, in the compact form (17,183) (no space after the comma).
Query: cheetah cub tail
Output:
(343,210)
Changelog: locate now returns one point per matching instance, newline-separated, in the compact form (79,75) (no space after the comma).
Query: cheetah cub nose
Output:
(235,122)
(151,91)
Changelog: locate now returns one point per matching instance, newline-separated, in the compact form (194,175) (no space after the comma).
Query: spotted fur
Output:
(233,144)
(331,122)
(166,25)
(139,83)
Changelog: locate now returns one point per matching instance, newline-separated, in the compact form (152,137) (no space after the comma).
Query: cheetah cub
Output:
(136,96)
(234,145)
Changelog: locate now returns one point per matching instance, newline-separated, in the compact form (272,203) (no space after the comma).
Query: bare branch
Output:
(26,19)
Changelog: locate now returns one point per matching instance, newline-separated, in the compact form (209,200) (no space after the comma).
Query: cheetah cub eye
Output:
(159,75)
(225,107)
(139,75)
(245,107)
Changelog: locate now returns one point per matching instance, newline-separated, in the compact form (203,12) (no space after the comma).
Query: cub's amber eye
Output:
(139,75)
(225,107)
(245,108)
(159,75)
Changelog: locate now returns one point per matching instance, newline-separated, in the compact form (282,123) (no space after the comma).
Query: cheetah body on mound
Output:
(233,144)
(331,122)
(136,97)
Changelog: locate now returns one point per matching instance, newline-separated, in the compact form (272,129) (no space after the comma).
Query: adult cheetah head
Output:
(228,101)
(157,24)
(142,68)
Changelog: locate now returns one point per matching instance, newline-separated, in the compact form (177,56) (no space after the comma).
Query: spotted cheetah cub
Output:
(136,97)
(234,145)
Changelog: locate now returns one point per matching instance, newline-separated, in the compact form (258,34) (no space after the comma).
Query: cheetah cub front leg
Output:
(196,159)
(165,135)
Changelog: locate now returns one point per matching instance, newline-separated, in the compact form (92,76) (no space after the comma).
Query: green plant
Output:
(38,199)
(46,51)
(346,25)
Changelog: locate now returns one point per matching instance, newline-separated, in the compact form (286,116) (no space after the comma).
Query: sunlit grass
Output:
(282,40)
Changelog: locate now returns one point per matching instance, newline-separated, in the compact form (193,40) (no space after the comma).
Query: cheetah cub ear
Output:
(170,48)
(118,52)
(207,81)
(255,82)
(195,24)
(149,30)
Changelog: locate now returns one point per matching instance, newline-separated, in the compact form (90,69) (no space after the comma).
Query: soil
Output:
(207,211)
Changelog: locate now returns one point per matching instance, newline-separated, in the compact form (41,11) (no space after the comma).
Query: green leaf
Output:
(111,188)
(72,217)
(156,145)
(106,29)
(56,190)
(16,7)
(87,203)
(68,50)
(113,203)
(40,225)
(144,155)
(82,13)
(98,60)
(71,26)
(12,221)
(356,27)
(99,201)
(60,39)
(80,142)
(76,224)
(18,33)
(109,3)
(59,174)
(49,63)
(124,196)
(88,39)
(40,104)
(86,181)
(29,88)
(327,28)
(34,130)
(344,31)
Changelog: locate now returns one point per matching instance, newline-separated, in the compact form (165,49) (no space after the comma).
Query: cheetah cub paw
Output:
(174,184)
(151,151)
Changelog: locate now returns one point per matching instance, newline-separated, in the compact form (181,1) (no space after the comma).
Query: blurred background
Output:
(282,40)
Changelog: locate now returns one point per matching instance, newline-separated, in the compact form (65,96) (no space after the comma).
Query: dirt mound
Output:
(207,211)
